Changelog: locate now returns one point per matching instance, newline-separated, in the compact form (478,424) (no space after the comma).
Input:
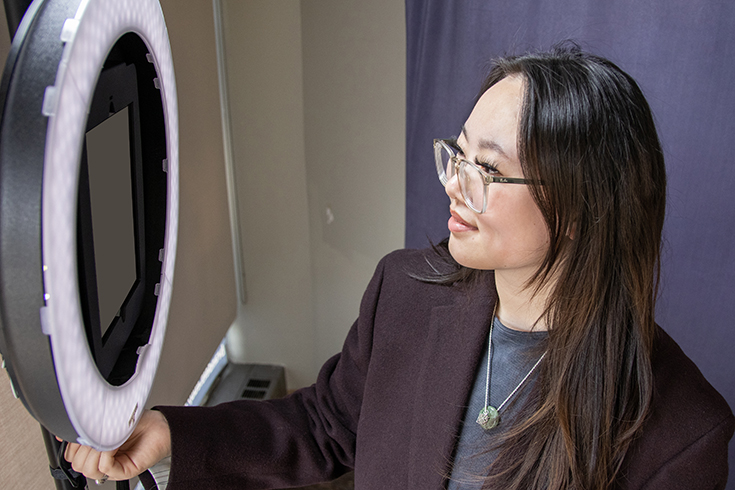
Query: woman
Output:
(538,311)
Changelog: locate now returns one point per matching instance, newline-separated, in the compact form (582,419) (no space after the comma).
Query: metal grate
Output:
(249,382)
(259,383)
(253,394)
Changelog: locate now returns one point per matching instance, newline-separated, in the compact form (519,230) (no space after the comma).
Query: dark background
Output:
(682,53)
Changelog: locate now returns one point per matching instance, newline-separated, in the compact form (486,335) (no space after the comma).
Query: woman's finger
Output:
(91,467)
(84,460)
(70,451)
(76,455)
(110,465)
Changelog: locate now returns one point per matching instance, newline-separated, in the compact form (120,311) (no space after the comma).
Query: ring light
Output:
(66,73)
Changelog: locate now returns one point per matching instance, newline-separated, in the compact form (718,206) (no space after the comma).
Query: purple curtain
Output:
(682,53)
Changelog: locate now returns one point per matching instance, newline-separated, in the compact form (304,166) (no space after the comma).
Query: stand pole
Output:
(52,449)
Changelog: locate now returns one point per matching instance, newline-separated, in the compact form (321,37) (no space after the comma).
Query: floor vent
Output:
(247,382)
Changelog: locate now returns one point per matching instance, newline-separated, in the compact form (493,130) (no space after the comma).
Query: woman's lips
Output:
(458,225)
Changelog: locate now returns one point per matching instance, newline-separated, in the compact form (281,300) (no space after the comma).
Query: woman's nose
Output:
(452,188)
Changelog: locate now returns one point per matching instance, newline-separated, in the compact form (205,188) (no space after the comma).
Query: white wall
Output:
(204,302)
(263,46)
(317,94)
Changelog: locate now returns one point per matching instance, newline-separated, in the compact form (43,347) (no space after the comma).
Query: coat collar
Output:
(453,350)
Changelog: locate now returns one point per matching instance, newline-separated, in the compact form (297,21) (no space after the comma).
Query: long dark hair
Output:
(587,134)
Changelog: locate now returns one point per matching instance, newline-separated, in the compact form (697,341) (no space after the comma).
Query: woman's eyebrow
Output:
(486,144)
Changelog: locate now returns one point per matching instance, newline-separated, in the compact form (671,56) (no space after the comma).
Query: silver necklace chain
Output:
(489,416)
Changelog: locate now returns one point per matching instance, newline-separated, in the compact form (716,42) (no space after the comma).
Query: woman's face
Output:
(510,236)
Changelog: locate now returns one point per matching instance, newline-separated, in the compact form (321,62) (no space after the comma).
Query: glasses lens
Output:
(472,185)
(443,160)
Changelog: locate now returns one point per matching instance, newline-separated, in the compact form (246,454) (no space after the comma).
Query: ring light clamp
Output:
(72,65)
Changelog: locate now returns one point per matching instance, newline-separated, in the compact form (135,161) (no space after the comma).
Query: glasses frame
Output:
(459,165)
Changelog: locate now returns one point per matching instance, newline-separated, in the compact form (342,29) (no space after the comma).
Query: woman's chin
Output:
(460,254)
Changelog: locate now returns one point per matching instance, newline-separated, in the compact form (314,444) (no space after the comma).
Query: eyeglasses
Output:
(473,181)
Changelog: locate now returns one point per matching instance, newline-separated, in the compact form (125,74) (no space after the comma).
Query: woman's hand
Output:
(149,443)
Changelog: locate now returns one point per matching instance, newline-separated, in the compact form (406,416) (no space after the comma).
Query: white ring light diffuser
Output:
(102,415)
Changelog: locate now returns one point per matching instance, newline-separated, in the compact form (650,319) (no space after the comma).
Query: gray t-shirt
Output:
(514,354)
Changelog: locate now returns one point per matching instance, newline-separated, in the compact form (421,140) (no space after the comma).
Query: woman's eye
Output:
(487,167)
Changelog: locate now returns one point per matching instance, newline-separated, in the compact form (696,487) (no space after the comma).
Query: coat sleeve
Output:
(684,442)
(304,438)
(701,465)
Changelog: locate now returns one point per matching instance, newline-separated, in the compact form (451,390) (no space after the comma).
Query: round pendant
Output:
(488,418)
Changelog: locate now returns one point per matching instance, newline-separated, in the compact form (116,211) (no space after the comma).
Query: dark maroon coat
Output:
(390,405)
